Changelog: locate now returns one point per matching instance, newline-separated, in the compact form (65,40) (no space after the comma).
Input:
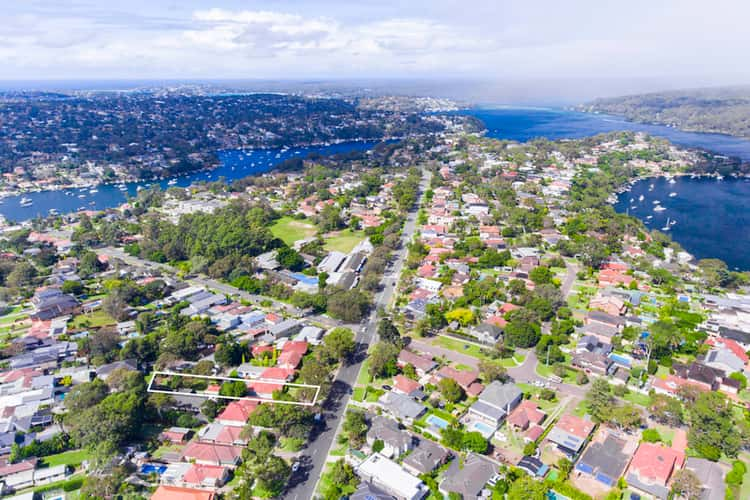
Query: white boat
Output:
(655,202)
(672,181)
(719,177)
(666,226)
(659,208)
(94,191)
(649,217)
(122,187)
(26,202)
(672,223)
(81,195)
(54,211)
(632,200)
(641,198)
(172,182)
(672,194)
(139,188)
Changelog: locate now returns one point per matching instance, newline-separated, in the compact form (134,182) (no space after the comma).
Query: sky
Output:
(606,45)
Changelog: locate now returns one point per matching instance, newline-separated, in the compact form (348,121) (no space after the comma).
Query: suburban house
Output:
(466,379)
(422,365)
(468,479)
(570,434)
(237,412)
(401,406)
(711,475)
(606,458)
(407,386)
(602,318)
(175,435)
(593,362)
(527,417)
(496,402)
(165,492)
(390,477)
(652,468)
(395,441)
(425,457)
(487,333)
(212,454)
(286,328)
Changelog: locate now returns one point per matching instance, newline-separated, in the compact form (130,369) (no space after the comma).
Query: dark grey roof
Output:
(711,475)
(388,431)
(426,456)
(490,411)
(603,317)
(470,477)
(501,395)
(366,491)
(606,457)
(401,406)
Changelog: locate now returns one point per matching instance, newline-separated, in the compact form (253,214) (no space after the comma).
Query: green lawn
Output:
(344,241)
(73,457)
(364,375)
(95,319)
(458,346)
(637,398)
(359,394)
(289,230)
(546,371)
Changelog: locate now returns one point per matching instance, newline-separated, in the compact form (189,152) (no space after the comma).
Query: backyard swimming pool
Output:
(150,468)
(436,421)
(622,360)
(484,429)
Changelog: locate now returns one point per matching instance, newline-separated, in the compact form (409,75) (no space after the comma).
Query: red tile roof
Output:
(463,378)
(419,362)
(526,413)
(238,411)
(655,463)
(212,453)
(731,345)
(164,492)
(277,373)
(299,346)
(198,473)
(405,385)
(576,426)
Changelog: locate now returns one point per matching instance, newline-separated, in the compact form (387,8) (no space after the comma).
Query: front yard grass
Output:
(96,319)
(72,457)
(344,240)
(289,230)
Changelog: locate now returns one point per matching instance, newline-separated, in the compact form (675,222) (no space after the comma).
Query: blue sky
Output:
(680,43)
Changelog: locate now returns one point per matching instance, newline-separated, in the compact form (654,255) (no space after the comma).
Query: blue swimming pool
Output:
(436,421)
(622,360)
(482,428)
(553,495)
(151,468)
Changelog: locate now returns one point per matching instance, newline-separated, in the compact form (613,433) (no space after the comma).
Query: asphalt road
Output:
(313,459)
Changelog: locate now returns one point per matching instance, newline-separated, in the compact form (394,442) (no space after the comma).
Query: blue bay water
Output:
(234,164)
(711,220)
(712,217)
(708,217)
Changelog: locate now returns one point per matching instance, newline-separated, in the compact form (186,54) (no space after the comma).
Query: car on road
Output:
(295,466)
(387,387)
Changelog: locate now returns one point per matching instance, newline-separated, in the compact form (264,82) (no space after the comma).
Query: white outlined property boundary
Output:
(232,379)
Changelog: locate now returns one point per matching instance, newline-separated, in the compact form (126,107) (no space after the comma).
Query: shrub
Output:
(651,436)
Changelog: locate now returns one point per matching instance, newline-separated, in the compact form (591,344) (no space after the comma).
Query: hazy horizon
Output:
(529,52)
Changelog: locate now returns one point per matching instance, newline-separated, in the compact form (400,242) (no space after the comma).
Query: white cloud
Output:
(339,38)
